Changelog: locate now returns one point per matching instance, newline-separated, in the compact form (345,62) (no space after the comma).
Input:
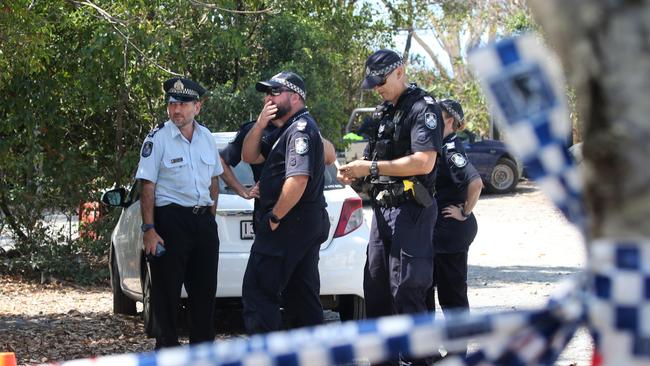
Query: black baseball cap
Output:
(453,108)
(182,90)
(285,79)
(379,65)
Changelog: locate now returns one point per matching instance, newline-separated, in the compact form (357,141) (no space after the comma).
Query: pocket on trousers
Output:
(416,272)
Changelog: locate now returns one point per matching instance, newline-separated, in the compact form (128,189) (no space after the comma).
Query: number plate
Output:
(246,230)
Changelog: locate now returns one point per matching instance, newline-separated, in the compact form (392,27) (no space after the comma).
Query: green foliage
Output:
(82,87)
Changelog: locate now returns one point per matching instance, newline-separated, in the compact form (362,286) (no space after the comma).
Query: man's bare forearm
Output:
(214,194)
(147,200)
(292,190)
(473,193)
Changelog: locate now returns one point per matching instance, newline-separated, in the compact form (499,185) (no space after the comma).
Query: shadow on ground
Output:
(502,276)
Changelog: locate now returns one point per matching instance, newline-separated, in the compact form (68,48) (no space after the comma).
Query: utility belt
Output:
(389,192)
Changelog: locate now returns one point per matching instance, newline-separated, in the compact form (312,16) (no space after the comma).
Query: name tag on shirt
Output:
(177,160)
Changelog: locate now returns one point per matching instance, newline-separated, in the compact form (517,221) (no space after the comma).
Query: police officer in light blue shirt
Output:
(179,168)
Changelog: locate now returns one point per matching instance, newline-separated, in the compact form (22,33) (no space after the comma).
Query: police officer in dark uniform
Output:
(400,162)
(179,165)
(231,156)
(458,187)
(284,256)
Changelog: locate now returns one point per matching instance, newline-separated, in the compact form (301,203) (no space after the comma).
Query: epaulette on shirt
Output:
(156,129)
(429,99)
(451,146)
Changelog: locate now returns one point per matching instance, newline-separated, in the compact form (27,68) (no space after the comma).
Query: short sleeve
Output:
(426,127)
(150,157)
(299,154)
(231,154)
(218,168)
(461,170)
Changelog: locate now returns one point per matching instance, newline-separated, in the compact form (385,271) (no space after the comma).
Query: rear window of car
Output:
(244,175)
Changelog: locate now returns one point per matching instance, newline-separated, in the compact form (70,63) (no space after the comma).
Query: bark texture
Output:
(605,49)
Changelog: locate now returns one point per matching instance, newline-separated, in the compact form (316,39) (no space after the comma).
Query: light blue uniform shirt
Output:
(182,170)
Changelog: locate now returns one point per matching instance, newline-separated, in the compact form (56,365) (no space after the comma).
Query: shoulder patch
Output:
(300,125)
(147,148)
(301,145)
(429,99)
(430,120)
(459,160)
(156,129)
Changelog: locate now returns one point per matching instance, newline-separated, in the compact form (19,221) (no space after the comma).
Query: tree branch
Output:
(212,6)
(434,58)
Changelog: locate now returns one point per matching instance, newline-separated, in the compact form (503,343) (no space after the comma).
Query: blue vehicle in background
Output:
(499,169)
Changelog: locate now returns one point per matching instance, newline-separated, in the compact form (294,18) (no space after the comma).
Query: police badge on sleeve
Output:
(147,149)
(459,160)
(302,145)
(430,120)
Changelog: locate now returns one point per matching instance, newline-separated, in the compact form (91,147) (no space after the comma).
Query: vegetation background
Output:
(81,86)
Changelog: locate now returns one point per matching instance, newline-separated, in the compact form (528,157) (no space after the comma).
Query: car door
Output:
(128,242)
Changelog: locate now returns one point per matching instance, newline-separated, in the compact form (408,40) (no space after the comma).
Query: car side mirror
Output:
(114,197)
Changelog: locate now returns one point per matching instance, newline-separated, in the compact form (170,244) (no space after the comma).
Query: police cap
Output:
(454,109)
(285,79)
(379,65)
(182,90)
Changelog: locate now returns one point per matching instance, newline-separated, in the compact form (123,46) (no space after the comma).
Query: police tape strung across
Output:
(612,298)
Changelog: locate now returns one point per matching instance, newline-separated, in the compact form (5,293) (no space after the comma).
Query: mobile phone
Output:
(160,250)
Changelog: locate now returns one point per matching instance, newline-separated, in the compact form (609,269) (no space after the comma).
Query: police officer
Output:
(232,153)
(400,161)
(284,256)
(458,187)
(179,165)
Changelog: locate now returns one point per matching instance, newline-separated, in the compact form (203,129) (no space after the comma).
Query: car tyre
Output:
(504,176)
(122,304)
(147,313)
(351,307)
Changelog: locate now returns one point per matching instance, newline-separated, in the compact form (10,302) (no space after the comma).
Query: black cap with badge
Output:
(286,79)
(454,109)
(379,65)
(182,90)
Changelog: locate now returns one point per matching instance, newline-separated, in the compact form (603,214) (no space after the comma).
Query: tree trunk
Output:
(605,49)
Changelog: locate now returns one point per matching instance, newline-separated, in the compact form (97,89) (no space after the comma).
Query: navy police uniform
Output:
(452,237)
(231,154)
(399,268)
(283,264)
(182,171)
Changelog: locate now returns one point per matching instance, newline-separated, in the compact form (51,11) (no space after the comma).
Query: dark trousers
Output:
(450,279)
(398,273)
(282,270)
(191,258)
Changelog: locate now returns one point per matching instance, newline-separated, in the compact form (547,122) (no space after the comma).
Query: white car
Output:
(342,255)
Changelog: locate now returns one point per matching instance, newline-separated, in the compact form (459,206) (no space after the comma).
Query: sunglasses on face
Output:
(276,91)
(383,82)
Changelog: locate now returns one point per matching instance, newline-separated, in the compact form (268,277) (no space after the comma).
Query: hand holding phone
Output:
(160,250)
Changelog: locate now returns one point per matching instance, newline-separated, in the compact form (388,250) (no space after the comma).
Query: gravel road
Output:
(523,248)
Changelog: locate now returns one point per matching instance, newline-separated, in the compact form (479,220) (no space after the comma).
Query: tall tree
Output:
(604,49)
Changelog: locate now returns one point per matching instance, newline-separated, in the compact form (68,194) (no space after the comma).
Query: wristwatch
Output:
(465,215)
(274,218)
(374,169)
(146,227)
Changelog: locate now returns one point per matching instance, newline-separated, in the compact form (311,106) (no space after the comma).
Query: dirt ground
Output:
(524,246)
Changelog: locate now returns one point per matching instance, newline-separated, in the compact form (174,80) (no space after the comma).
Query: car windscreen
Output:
(244,175)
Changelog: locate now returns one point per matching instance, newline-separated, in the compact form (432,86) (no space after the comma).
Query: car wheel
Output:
(147,313)
(122,304)
(351,307)
(504,176)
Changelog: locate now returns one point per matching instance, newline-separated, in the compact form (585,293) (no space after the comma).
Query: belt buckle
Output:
(196,209)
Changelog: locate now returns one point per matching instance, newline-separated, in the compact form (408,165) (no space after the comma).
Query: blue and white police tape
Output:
(525,88)
(532,337)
